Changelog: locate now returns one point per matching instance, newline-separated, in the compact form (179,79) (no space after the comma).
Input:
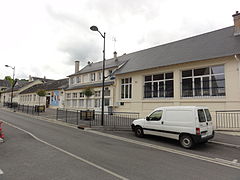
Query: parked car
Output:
(1,132)
(187,124)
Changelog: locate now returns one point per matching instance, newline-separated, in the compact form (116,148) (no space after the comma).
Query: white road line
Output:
(195,156)
(225,144)
(1,172)
(68,153)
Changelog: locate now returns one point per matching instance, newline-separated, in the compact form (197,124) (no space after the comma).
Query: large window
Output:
(209,81)
(97,93)
(158,85)
(81,102)
(68,95)
(78,79)
(107,91)
(126,88)
(74,103)
(97,103)
(81,94)
(89,102)
(74,95)
(92,76)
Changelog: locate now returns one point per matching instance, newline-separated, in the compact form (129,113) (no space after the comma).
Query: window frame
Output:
(202,91)
(126,88)
(158,87)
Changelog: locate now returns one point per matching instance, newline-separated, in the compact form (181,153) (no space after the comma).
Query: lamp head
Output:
(94,28)
(7,66)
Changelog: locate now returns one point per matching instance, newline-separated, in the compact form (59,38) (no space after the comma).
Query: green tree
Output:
(88,93)
(41,93)
(8,78)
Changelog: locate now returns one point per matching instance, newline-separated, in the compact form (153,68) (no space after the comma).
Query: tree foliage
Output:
(41,92)
(88,92)
(8,78)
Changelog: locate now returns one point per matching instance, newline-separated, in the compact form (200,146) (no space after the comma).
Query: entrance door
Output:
(47,101)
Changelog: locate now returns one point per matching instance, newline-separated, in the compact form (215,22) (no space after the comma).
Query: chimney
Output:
(115,55)
(30,78)
(236,19)
(76,66)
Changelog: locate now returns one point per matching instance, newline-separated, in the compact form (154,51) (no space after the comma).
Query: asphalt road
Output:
(36,149)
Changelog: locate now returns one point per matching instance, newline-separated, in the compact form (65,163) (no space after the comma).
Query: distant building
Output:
(20,86)
(4,84)
(54,94)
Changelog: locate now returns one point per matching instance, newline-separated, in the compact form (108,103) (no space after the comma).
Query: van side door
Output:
(152,122)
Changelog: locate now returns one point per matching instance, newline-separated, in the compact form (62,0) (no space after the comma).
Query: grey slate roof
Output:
(5,83)
(18,86)
(219,43)
(47,86)
(110,63)
(107,83)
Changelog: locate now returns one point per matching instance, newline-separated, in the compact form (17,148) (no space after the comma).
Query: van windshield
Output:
(208,115)
(201,115)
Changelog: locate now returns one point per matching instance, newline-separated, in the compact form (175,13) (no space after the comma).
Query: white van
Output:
(188,124)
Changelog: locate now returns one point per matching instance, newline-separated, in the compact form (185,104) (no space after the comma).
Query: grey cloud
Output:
(66,18)
(80,50)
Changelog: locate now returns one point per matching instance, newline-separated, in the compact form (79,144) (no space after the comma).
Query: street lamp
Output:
(94,28)
(13,68)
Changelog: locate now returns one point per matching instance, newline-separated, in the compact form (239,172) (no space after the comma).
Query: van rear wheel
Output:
(186,141)
(138,131)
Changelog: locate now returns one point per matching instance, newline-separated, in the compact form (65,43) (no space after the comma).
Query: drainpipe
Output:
(238,60)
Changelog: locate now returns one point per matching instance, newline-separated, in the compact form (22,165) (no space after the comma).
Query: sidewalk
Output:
(228,137)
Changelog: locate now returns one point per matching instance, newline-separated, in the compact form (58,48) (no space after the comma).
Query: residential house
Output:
(4,84)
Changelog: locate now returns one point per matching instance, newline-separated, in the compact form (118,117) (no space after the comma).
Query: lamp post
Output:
(13,68)
(95,28)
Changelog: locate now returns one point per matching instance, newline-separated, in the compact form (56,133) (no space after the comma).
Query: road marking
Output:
(187,154)
(1,172)
(68,153)
(225,144)
(234,162)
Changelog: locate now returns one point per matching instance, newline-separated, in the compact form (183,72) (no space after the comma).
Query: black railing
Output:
(92,118)
(34,110)
(228,119)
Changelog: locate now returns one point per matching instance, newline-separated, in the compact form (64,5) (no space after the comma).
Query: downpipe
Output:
(236,56)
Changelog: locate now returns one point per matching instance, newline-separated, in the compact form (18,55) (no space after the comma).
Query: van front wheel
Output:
(186,141)
(138,131)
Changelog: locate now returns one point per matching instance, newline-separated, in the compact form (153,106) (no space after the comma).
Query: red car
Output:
(1,132)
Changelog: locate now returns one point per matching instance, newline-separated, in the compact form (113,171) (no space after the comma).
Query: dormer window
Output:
(92,76)
(78,79)
(99,76)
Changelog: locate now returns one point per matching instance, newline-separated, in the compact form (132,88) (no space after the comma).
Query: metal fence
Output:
(116,120)
(34,110)
(228,119)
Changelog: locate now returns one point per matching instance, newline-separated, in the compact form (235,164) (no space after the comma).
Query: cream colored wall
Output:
(138,104)
(32,102)
(16,94)
(111,97)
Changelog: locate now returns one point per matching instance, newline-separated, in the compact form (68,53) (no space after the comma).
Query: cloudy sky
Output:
(45,37)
